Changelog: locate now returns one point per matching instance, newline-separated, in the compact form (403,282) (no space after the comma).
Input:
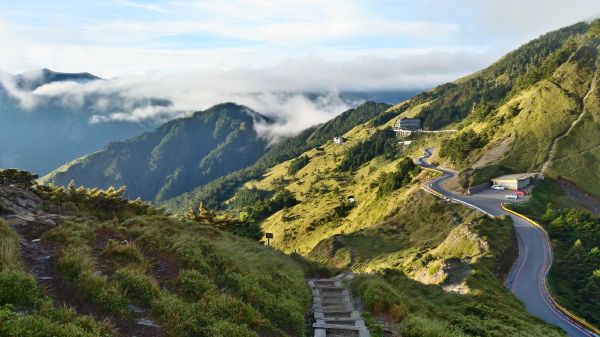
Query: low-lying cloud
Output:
(280,92)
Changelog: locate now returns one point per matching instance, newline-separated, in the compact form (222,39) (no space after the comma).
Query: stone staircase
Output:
(333,309)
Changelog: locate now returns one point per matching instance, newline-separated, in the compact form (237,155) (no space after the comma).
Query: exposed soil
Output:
(164,268)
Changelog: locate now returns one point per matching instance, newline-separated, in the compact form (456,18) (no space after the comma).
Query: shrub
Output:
(137,285)
(195,285)
(19,289)
(417,326)
(123,254)
(73,261)
(383,142)
(380,297)
(106,295)
(10,251)
(228,329)
(18,178)
(459,147)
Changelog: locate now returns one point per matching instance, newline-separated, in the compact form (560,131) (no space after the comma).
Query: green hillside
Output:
(79,262)
(217,192)
(535,109)
(175,158)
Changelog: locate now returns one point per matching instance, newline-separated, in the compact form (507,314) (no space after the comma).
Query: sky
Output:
(199,52)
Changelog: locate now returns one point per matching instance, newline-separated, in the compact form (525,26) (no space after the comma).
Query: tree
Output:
(17,178)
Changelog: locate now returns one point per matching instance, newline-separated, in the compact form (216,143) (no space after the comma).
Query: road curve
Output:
(528,274)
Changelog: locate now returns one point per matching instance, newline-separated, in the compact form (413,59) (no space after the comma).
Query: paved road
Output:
(527,276)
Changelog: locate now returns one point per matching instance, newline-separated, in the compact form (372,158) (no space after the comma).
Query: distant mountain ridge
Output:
(43,135)
(35,79)
(174,158)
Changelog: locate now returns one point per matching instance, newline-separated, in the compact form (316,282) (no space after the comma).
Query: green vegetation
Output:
(450,103)
(297,164)
(24,309)
(487,310)
(175,158)
(459,147)
(405,172)
(18,178)
(383,142)
(112,252)
(216,193)
(574,278)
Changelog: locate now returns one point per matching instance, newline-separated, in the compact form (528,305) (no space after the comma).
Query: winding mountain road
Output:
(528,274)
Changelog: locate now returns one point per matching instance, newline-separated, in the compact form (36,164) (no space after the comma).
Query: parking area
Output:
(500,196)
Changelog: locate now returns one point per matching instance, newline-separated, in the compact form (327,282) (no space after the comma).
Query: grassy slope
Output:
(579,153)
(406,232)
(192,279)
(24,309)
(488,310)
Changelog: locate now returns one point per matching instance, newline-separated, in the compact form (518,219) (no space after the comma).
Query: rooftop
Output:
(517,176)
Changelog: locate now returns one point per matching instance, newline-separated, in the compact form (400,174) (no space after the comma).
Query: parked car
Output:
(498,187)
(512,196)
(521,193)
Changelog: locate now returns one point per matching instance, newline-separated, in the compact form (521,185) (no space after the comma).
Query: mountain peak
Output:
(34,79)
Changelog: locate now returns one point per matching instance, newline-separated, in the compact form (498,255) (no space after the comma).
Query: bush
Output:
(459,147)
(228,329)
(379,297)
(388,182)
(106,295)
(123,254)
(137,285)
(18,178)
(194,285)
(417,326)
(19,289)
(10,250)
(73,261)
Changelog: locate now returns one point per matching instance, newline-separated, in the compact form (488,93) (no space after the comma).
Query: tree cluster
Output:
(388,182)
(17,178)
(577,236)
(383,142)
(297,164)
(458,148)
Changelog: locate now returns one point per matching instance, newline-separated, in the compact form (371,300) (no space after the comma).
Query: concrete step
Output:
(336,327)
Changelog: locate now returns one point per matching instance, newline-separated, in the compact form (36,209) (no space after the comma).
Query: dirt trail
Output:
(552,151)
(23,211)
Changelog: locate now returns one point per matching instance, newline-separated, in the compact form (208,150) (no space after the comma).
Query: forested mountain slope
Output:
(175,158)
(534,110)
(217,192)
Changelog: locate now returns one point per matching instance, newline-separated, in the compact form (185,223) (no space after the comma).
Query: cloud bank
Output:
(280,91)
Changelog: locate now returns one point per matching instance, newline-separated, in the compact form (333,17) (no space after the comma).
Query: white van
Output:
(498,187)
(512,196)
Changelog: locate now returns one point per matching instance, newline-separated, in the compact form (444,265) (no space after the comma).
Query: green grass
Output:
(488,310)
(546,192)
(262,290)
(24,309)
(10,251)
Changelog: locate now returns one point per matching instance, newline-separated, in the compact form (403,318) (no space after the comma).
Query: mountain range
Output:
(425,266)
(40,133)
